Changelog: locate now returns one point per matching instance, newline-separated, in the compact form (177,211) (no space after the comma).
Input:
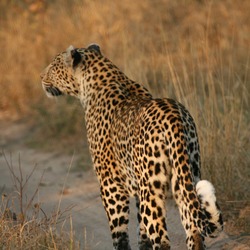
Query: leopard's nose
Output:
(42,75)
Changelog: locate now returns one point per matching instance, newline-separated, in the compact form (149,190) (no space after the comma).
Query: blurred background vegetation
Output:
(197,52)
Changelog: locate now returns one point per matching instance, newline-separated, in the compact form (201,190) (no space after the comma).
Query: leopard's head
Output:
(61,75)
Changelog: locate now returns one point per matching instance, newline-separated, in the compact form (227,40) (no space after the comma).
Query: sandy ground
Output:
(62,185)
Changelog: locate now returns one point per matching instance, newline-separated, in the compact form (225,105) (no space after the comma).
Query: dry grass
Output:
(23,222)
(194,51)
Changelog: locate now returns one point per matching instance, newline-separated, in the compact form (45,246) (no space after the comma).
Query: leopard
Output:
(140,147)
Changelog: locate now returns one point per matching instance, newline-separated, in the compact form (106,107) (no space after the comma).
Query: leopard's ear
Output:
(73,57)
(95,47)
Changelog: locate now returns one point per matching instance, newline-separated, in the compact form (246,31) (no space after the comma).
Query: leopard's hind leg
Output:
(194,240)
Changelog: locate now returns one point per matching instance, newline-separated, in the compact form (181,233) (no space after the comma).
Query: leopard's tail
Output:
(195,198)
(198,203)
(213,218)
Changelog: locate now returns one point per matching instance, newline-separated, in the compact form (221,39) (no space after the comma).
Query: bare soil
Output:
(64,184)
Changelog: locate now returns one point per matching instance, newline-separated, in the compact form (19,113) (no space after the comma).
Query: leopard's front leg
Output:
(116,203)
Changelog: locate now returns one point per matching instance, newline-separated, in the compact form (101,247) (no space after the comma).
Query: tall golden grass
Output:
(194,51)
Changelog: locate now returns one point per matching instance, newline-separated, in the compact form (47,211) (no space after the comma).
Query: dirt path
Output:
(65,186)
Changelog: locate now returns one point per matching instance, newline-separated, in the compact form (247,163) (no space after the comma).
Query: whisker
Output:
(53,91)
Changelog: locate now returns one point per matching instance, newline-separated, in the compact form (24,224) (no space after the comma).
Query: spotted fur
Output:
(140,146)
